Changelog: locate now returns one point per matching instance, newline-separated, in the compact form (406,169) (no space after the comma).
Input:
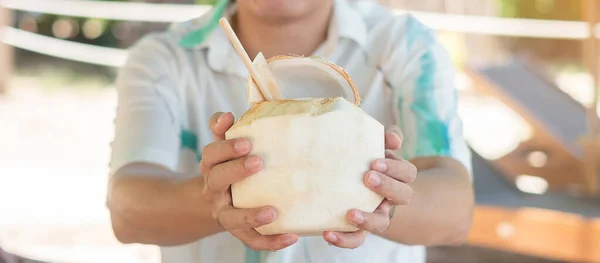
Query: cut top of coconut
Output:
(306,75)
(277,108)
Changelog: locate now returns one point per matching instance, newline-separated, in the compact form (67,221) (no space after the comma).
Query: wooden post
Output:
(6,53)
(590,56)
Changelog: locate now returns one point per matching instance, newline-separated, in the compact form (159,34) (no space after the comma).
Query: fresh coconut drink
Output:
(315,150)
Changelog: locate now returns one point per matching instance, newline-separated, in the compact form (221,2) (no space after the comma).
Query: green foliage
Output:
(508,8)
(541,9)
(559,54)
(206,2)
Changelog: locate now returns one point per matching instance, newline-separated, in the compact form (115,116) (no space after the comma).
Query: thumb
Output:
(219,123)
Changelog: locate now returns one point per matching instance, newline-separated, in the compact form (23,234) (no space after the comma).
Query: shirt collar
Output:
(346,23)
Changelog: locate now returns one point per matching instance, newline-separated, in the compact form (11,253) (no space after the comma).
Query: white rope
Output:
(104,56)
(110,10)
(513,27)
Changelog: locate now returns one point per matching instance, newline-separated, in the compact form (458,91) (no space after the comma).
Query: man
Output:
(181,89)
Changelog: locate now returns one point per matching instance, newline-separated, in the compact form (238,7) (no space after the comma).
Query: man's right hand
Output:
(225,162)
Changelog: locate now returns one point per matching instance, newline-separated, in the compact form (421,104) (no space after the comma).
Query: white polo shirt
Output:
(167,93)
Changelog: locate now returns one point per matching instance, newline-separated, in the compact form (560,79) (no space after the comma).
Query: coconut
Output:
(315,150)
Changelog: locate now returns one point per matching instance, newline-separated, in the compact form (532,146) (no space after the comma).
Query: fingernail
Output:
(374,179)
(252,163)
(220,118)
(359,218)
(241,146)
(332,237)
(398,136)
(380,166)
(265,215)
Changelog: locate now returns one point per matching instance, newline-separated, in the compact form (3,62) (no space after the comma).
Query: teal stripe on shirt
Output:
(189,141)
(431,131)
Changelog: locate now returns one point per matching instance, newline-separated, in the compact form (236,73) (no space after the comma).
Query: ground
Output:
(53,174)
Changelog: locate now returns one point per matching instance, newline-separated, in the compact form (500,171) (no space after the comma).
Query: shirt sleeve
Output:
(147,122)
(421,75)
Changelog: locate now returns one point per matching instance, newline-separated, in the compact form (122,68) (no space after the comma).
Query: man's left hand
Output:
(389,177)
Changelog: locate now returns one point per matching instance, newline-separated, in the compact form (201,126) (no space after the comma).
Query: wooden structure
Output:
(590,57)
(538,232)
(554,226)
(558,123)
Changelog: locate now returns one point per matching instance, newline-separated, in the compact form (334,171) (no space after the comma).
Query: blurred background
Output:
(527,78)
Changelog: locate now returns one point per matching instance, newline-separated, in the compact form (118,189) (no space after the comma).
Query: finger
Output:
(222,151)
(345,240)
(389,154)
(219,123)
(258,242)
(397,192)
(371,222)
(393,140)
(384,208)
(218,199)
(233,218)
(225,174)
(401,170)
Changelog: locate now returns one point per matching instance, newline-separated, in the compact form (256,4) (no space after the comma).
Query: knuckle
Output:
(215,214)
(409,194)
(202,165)
(208,183)
(410,178)
(401,201)
(206,150)
(388,184)
(248,219)
(369,226)
(386,189)
(366,225)
(381,229)
(206,194)
(412,172)
(406,197)
(401,194)
(215,182)
(385,223)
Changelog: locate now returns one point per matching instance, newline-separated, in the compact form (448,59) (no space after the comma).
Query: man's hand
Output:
(225,162)
(389,177)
